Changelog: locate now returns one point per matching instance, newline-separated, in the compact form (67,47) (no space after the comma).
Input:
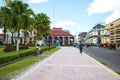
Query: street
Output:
(110,58)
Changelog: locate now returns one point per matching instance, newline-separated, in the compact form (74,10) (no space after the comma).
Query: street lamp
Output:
(49,42)
(7,38)
(12,35)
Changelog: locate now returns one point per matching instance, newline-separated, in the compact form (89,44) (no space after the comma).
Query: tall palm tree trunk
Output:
(18,41)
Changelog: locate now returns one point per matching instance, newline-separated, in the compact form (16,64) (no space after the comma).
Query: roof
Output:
(98,26)
(59,32)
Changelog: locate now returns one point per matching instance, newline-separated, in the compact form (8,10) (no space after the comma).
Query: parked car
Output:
(75,44)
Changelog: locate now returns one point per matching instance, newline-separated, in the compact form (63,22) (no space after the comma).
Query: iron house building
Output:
(64,36)
(97,35)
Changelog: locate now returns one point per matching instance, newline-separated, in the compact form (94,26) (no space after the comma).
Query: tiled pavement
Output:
(68,64)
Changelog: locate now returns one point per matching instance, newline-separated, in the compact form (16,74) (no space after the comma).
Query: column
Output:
(52,40)
(68,40)
(59,40)
(63,41)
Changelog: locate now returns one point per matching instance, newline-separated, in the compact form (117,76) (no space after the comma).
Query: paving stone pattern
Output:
(68,64)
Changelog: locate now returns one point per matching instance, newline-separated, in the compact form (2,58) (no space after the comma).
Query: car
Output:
(75,44)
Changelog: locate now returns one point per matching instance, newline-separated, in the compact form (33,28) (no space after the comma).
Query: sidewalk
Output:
(68,64)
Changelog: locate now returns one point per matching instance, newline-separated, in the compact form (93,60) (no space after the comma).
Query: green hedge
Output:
(46,48)
(7,57)
(11,56)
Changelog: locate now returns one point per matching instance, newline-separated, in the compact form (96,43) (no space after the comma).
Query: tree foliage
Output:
(17,15)
(42,24)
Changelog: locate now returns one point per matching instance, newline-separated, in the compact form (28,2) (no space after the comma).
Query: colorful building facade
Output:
(114,28)
(99,34)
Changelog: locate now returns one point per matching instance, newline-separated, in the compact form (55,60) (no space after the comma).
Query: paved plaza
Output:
(68,64)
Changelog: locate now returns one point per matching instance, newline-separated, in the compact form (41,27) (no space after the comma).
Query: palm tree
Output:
(42,24)
(4,11)
(4,15)
(19,17)
(7,2)
(22,16)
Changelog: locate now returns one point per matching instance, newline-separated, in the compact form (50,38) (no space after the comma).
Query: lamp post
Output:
(49,41)
(7,38)
(12,35)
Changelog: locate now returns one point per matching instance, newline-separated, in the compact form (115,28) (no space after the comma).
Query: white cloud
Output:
(37,1)
(104,6)
(115,15)
(64,23)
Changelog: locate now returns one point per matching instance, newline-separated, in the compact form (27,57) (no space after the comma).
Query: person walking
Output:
(81,47)
(37,50)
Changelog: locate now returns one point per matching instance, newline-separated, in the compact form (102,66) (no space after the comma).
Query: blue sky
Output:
(76,15)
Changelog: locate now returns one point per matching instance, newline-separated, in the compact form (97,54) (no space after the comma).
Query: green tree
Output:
(7,2)
(19,17)
(42,24)
(4,16)
(22,16)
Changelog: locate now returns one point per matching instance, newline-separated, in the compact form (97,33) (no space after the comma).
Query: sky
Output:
(76,15)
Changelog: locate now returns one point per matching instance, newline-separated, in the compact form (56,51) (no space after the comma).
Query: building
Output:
(114,28)
(64,37)
(25,37)
(81,36)
(98,34)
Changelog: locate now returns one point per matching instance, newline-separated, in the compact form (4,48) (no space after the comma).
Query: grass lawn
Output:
(15,68)
(1,48)
(49,52)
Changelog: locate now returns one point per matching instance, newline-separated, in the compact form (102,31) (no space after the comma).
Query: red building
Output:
(64,37)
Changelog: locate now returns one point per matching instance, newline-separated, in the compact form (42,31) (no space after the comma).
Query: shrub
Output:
(4,58)
(8,48)
(23,47)
(11,56)
(14,46)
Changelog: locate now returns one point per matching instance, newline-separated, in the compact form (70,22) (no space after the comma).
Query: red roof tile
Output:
(59,32)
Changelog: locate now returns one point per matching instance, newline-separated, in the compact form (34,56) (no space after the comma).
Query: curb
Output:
(107,68)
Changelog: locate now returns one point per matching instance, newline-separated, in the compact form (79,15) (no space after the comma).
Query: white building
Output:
(99,34)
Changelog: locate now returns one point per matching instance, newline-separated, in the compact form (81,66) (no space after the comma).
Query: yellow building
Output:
(114,28)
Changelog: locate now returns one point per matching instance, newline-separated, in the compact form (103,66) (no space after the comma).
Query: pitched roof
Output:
(98,26)
(59,32)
